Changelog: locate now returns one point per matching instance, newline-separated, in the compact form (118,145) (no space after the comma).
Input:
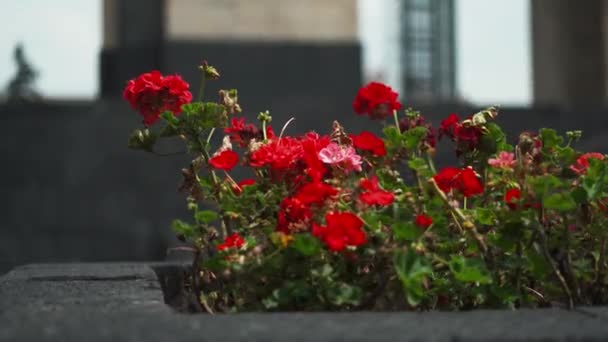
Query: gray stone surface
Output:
(124,302)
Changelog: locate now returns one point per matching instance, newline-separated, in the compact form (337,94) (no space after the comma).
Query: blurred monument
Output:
(570,52)
(428,61)
(21,86)
(297,58)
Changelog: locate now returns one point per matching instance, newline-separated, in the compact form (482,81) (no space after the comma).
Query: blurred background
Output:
(72,191)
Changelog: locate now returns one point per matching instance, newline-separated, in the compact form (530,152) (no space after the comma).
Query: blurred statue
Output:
(21,87)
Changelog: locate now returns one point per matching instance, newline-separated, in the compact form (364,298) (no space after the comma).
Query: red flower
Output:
(341,230)
(225,160)
(582,163)
(376,100)
(369,142)
(447,126)
(423,221)
(512,197)
(231,241)
(294,215)
(312,144)
(241,133)
(279,154)
(152,93)
(464,180)
(467,137)
(315,192)
(238,187)
(446,178)
(468,183)
(374,195)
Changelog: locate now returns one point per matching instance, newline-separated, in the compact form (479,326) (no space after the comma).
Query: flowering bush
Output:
(331,222)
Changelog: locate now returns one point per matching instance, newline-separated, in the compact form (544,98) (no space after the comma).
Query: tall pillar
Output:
(132,42)
(568,53)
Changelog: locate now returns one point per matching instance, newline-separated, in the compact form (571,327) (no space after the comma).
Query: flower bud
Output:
(210,72)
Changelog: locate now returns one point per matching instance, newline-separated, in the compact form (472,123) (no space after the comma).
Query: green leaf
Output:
(206,216)
(559,202)
(306,244)
(406,231)
(550,138)
(544,184)
(413,136)
(417,164)
(142,140)
(412,270)
(469,270)
(344,294)
(579,195)
(182,228)
(392,134)
(171,119)
(485,216)
(205,115)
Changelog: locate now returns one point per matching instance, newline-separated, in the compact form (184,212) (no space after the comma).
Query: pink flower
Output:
(505,160)
(582,163)
(345,155)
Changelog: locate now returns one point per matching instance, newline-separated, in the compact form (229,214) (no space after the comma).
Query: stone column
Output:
(568,53)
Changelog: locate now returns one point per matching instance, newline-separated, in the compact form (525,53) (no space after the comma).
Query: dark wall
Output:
(71,190)
(309,81)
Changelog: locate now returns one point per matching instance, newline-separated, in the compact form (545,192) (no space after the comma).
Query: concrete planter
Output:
(126,302)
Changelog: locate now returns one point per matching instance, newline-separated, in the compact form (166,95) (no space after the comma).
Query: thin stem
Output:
(468,224)
(556,271)
(210,135)
(431,163)
(264,130)
(517,279)
(201,90)
(396,117)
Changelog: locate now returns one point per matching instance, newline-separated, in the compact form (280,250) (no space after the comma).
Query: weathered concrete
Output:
(123,302)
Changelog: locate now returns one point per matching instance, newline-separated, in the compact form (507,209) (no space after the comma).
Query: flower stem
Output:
(264,130)
(467,224)
(395,116)
(201,90)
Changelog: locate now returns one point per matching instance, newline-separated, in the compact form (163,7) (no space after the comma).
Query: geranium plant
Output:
(343,221)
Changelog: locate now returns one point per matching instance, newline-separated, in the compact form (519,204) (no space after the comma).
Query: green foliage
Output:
(306,244)
(534,236)
(406,231)
(412,269)
(469,270)
(206,216)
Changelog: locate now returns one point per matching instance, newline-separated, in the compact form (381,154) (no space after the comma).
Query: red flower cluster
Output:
(512,197)
(241,133)
(582,163)
(151,94)
(409,123)
(296,211)
(463,180)
(367,141)
(466,136)
(423,221)
(224,160)
(232,241)
(373,195)
(278,154)
(341,230)
(376,100)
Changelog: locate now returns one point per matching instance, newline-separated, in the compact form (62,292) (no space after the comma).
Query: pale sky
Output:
(63,41)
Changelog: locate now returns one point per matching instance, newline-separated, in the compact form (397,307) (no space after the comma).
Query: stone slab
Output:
(124,302)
